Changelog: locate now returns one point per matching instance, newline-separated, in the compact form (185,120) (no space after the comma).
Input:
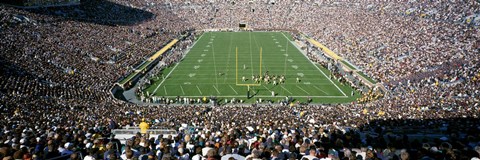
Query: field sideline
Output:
(222,64)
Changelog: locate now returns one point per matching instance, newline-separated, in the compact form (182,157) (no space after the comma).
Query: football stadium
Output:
(257,79)
(247,65)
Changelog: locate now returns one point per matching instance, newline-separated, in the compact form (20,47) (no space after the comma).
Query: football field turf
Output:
(222,64)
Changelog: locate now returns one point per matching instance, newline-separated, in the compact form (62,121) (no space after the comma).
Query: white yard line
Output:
(285,36)
(286,53)
(285,84)
(285,64)
(319,69)
(216,89)
(214,64)
(251,54)
(302,89)
(199,90)
(228,58)
(165,89)
(233,89)
(154,91)
(258,46)
(266,88)
(286,89)
(182,89)
(320,90)
(270,96)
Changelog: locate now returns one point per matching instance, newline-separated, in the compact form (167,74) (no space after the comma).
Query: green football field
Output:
(222,64)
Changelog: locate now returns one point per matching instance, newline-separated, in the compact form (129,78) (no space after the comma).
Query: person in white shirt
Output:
(311,155)
(205,149)
(67,150)
(198,154)
(229,154)
(183,155)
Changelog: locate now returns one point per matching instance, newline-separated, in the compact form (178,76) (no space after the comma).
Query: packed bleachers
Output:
(58,64)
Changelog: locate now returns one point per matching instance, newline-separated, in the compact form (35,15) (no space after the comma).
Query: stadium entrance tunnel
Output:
(117,92)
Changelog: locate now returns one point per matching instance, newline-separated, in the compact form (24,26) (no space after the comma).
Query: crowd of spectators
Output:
(58,64)
(168,59)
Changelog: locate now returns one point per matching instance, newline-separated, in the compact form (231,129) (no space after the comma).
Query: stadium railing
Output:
(65,157)
(124,134)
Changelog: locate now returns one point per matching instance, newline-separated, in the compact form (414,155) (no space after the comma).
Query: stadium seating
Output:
(58,64)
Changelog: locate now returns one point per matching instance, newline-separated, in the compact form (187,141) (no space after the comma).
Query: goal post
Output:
(236,73)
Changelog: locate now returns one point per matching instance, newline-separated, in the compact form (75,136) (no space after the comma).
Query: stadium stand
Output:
(57,66)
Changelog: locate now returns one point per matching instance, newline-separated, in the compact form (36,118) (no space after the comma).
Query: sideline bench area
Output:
(126,82)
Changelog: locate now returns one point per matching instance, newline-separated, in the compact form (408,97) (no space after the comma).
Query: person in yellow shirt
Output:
(144,126)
